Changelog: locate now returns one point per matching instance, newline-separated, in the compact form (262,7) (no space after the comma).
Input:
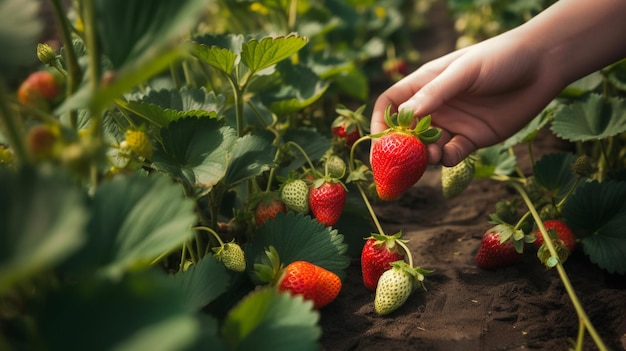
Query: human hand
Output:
(478,96)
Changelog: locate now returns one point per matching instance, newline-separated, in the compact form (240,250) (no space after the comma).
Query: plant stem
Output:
(580,311)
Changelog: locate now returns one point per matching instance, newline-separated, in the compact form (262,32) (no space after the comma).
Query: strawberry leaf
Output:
(297,237)
(554,172)
(250,156)
(261,54)
(165,106)
(195,151)
(134,220)
(269,320)
(42,221)
(494,160)
(221,58)
(596,212)
(591,119)
(203,282)
(140,312)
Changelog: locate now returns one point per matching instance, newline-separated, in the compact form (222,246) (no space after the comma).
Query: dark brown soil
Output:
(521,307)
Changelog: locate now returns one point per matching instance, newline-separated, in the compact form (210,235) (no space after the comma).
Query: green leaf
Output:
(269,320)
(142,312)
(165,106)
(300,87)
(135,219)
(42,221)
(591,119)
(583,85)
(314,144)
(203,282)
(494,160)
(529,132)
(351,81)
(129,30)
(596,212)
(298,237)
(554,172)
(195,151)
(221,58)
(251,155)
(261,54)
(617,74)
(20,28)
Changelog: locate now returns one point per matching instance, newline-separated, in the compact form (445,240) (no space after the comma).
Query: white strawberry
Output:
(396,285)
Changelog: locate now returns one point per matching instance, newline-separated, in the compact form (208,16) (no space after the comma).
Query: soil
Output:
(524,306)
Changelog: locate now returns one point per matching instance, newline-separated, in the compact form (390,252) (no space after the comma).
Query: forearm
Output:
(579,37)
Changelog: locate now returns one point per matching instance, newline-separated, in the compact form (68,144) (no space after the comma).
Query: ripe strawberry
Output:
(232,256)
(456,178)
(311,281)
(139,142)
(559,232)
(500,246)
(39,89)
(43,141)
(327,198)
(377,255)
(349,125)
(268,207)
(399,158)
(295,195)
(396,285)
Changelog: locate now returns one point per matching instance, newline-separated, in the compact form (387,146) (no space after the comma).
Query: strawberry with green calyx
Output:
(562,238)
(295,194)
(396,285)
(399,157)
(502,245)
(311,281)
(230,254)
(378,252)
(458,177)
(349,125)
(327,197)
(266,206)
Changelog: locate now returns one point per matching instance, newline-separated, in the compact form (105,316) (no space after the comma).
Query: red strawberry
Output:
(499,247)
(311,281)
(376,257)
(349,125)
(268,207)
(38,89)
(395,68)
(327,198)
(564,234)
(399,158)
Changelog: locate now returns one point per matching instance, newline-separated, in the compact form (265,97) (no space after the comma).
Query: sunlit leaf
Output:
(298,237)
(269,320)
(250,156)
(590,119)
(203,282)
(195,151)
(223,59)
(617,74)
(583,85)
(135,219)
(42,221)
(554,172)
(596,212)
(20,28)
(142,312)
(261,54)
(165,106)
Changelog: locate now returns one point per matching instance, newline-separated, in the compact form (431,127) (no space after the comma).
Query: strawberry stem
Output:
(212,232)
(306,157)
(582,315)
(408,252)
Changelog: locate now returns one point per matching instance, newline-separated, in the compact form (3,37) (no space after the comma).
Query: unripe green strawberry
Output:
(396,285)
(326,200)
(232,256)
(335,167)
(139,142)
(456,178)
(399,157)
(295,195)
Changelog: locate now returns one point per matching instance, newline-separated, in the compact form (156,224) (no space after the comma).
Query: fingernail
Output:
(408,105)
